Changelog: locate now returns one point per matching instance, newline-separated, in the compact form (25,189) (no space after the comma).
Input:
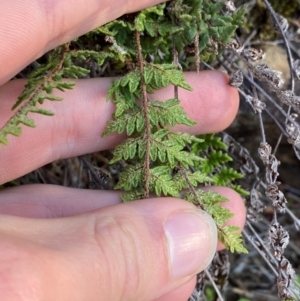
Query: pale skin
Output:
(51,246)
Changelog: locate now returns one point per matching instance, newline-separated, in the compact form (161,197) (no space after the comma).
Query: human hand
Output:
(59,243)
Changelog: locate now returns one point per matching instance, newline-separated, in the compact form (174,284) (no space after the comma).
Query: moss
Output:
(259,19)
(288,9)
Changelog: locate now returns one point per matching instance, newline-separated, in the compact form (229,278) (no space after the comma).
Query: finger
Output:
(133,251)
(51,201)
(180,294)
(82,116)
(32,27)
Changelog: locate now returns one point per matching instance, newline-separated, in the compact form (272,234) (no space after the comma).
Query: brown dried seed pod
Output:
(214,46)
(295,141)
(284,280)
(236,79)
(272,170)
(253,55)
(293,131)
(291,128)
(287,268)
(289,98)
(229,7)
(277,197)
(279,239)
(296,104)
(264,152)
(286,96)
(272,77)
(236,46)
(257,105)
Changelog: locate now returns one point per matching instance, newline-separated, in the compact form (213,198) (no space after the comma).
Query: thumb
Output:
(135,251)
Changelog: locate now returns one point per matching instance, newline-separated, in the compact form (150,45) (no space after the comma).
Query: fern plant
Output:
(145,46)
(156,159)
(148,51)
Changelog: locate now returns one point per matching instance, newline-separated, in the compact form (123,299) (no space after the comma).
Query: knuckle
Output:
(122,246)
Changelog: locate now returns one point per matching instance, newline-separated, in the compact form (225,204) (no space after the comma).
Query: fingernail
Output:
(192,241)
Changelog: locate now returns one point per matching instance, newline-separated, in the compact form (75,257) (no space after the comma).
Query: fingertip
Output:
(235,204)
(213,104)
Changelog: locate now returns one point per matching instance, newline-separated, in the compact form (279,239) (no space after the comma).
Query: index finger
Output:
(79,120)
(29,28)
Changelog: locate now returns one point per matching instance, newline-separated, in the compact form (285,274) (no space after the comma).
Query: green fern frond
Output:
(213,160)
(183,181)
(211,203)
(131,177)
(216,162)
(226,175)
(157,159)
(239,189)
(161,181)
(43,81)
(210,140)
(232,239)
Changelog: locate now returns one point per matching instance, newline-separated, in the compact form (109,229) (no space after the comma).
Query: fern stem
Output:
(146,114)
(30,100)
(176,62)
(193,191)
(191,188)
(47,78)
(197,53)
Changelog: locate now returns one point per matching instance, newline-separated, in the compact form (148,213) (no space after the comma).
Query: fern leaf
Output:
(232,239)
(214,159)
(184,180)
(239,190)
(211,203)
(126,150)
(209,140)
(226,175)
(131,177)
(161,181)
(168,113)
